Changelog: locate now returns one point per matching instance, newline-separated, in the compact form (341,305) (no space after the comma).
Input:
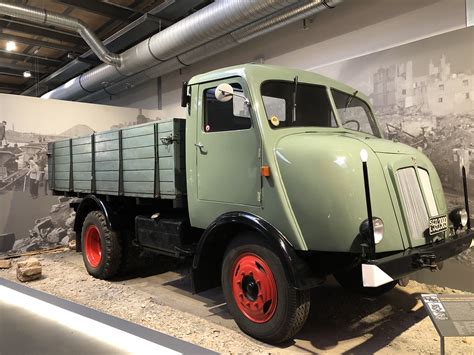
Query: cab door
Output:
(227,148)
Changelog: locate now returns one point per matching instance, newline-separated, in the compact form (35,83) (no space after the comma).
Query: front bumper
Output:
(380,271)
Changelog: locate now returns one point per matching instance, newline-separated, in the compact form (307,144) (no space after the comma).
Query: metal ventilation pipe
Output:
(270,23)
(44,17)
(214,20)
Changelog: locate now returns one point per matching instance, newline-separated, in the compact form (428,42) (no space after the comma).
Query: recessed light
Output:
(27,74)
(10,46)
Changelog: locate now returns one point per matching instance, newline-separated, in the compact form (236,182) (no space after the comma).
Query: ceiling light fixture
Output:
(27,74)
(10,46)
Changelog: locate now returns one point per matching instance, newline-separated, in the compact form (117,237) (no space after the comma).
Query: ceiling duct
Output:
(265,25)
(212,21)
(217,27)
(47,18)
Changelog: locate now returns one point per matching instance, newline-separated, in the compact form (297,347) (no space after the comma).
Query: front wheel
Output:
(101,248)
(258,293)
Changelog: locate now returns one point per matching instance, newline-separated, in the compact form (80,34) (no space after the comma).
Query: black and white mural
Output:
(423,94)
(30,217)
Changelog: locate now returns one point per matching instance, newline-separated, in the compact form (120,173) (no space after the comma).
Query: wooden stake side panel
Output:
(145,161)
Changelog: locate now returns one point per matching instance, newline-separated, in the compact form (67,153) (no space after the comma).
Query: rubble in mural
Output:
(50,231)
(430,106)
(446,140)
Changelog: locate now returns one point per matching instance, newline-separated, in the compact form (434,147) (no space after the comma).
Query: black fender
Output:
(84,207)
(212,244)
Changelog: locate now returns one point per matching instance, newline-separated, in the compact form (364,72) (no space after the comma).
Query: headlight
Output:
(458,217)
(378,229)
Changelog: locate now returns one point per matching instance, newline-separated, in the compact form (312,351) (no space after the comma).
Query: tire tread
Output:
(297,307)
(109,267)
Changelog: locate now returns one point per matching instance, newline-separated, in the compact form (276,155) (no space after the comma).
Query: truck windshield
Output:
(282,99)
(354,113)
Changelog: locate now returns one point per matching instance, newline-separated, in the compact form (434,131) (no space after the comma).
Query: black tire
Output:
(292,306)
(105,265)
(352,280)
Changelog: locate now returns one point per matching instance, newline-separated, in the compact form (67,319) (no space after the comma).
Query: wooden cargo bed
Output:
(146,160)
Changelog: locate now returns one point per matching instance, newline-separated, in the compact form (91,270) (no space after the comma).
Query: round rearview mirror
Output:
(224,92)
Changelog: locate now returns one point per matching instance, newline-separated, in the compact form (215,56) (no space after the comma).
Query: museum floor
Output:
(33,322)
(338,322)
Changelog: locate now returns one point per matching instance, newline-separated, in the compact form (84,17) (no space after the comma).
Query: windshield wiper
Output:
(349,100)
(295,89)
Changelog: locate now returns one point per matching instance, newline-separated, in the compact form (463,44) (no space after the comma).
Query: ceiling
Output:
(53,56)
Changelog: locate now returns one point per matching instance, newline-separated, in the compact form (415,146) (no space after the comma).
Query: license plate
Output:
(438,224)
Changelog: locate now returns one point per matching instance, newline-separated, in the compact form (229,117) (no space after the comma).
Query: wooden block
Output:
(28,270)
(28,263)
(28,273)
(5,264)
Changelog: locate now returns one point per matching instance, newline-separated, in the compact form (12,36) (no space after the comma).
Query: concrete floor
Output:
(23,332)
(34,322)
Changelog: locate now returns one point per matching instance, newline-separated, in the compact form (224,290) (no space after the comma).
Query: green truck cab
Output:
(276,179)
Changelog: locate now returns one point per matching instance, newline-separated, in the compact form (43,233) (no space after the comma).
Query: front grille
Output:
(413,203)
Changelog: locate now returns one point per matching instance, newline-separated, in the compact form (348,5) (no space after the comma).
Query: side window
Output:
(225,116)
(354,113)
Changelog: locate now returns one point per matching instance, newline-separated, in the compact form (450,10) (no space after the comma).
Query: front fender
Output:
(212,245)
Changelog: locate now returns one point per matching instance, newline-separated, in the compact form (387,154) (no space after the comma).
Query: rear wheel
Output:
(101,249)
(352,280)
(258,293)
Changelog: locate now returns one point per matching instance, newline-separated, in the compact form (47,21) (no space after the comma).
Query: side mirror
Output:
(224,92)
(185,98)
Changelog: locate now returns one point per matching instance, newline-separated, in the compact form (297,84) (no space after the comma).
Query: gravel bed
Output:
(339,321)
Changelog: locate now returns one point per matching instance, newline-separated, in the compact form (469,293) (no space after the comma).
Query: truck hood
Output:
(379,145)
(323,180)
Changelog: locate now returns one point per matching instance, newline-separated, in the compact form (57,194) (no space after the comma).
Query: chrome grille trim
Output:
(428,191)
(413,203)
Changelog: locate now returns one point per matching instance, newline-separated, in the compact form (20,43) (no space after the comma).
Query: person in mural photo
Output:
(41,159)
(45,180)
(3,132)
(34,174)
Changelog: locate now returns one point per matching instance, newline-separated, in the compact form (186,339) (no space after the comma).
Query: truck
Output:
(276,179)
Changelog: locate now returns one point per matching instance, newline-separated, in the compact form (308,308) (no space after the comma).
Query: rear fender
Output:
(84,207)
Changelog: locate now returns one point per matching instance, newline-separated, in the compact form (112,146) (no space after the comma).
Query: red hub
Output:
(92,245)
(254,288)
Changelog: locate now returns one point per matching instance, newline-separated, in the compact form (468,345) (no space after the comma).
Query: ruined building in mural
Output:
(440,92)
(433,112)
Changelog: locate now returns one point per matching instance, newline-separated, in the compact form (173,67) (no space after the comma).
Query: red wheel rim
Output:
(92,246)
(254,288)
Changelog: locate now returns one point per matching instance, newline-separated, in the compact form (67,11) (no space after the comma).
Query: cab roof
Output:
(261,72)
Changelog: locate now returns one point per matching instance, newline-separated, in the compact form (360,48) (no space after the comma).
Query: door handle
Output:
(201,148)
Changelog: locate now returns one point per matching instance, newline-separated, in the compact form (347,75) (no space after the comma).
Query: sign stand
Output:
(452,315)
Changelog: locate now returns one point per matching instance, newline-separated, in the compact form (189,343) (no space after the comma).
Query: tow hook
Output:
(427,261)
